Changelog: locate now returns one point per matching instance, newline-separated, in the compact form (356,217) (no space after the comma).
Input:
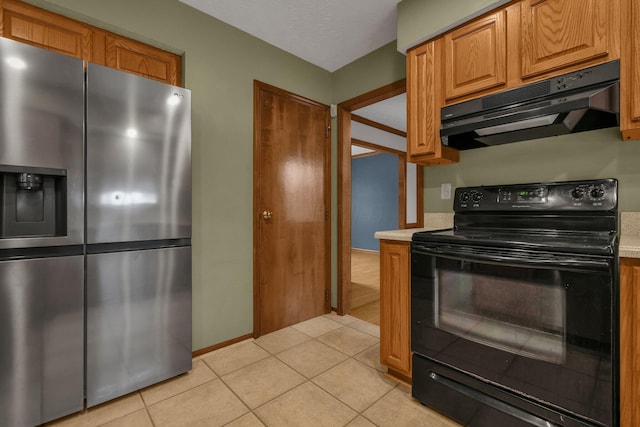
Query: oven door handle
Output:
(517,258)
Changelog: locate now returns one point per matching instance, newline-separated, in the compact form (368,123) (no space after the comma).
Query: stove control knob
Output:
(476,197)
(577,193)
(597,193)
(464,197)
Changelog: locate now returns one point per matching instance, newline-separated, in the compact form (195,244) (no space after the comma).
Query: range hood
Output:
(579,101)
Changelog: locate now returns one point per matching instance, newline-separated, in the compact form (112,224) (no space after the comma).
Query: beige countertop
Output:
(629,246)
(629,231)
(433,221)
(403,235)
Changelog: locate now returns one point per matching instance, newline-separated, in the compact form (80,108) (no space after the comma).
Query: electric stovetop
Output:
(597,243)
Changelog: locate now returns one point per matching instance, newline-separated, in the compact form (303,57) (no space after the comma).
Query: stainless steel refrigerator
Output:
(138,232)
(41,235)
(95,234)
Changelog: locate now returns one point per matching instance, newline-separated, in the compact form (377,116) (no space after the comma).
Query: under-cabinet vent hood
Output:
(575,102)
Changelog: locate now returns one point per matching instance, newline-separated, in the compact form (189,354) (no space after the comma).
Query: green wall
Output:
(379,68)
(220,64)
(586,155)
(419,20)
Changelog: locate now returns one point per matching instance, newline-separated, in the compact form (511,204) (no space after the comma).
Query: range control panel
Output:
(599,195)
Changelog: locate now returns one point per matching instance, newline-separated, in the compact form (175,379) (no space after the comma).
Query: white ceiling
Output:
(327,33)
(378,136)
(391,112)
(356,151)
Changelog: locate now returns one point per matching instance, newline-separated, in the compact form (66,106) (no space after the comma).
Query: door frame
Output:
(344,184)
(257,87)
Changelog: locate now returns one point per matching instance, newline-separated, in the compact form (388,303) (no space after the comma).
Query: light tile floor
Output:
(322,372)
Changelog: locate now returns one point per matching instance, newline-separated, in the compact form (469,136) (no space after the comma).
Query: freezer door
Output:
(41,339)
(138,158)
(138,320)
(41,135)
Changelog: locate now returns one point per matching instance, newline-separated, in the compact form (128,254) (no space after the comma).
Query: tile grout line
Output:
(310,380)
(177,394)
(146,408)
(340,400)
(147,405)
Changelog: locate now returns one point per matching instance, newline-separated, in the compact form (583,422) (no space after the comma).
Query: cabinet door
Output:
(39,27)
(395,309)
(422,117)
(141,59)
(560,33)
(423,108)
(475,56)
(630,71)
(629,342)
(44,29)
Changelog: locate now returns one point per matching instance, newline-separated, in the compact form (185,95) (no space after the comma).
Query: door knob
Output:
(266,214)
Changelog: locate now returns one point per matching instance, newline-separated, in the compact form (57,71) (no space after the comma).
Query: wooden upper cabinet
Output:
(630,70)
(558,34)
(137,58)
(395,307)
(476,56)
(35,26)
(44,29)
(423,107)
(422,117)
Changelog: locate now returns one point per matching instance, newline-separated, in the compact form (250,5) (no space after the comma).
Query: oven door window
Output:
(519,310)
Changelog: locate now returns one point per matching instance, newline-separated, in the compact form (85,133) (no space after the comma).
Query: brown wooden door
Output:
(292,149)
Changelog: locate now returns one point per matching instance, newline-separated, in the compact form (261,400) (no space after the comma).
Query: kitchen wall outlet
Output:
(445,191)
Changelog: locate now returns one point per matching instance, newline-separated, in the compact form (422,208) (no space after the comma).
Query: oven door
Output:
(534,324)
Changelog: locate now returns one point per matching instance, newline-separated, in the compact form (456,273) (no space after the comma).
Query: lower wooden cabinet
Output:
(629,342)
(395,308)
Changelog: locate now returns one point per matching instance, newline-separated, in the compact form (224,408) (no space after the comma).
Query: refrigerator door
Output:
(138,158)
(138,320)
(41,138)
(42,339)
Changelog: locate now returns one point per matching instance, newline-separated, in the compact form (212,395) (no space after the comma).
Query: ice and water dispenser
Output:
(32,202)
(41,149)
